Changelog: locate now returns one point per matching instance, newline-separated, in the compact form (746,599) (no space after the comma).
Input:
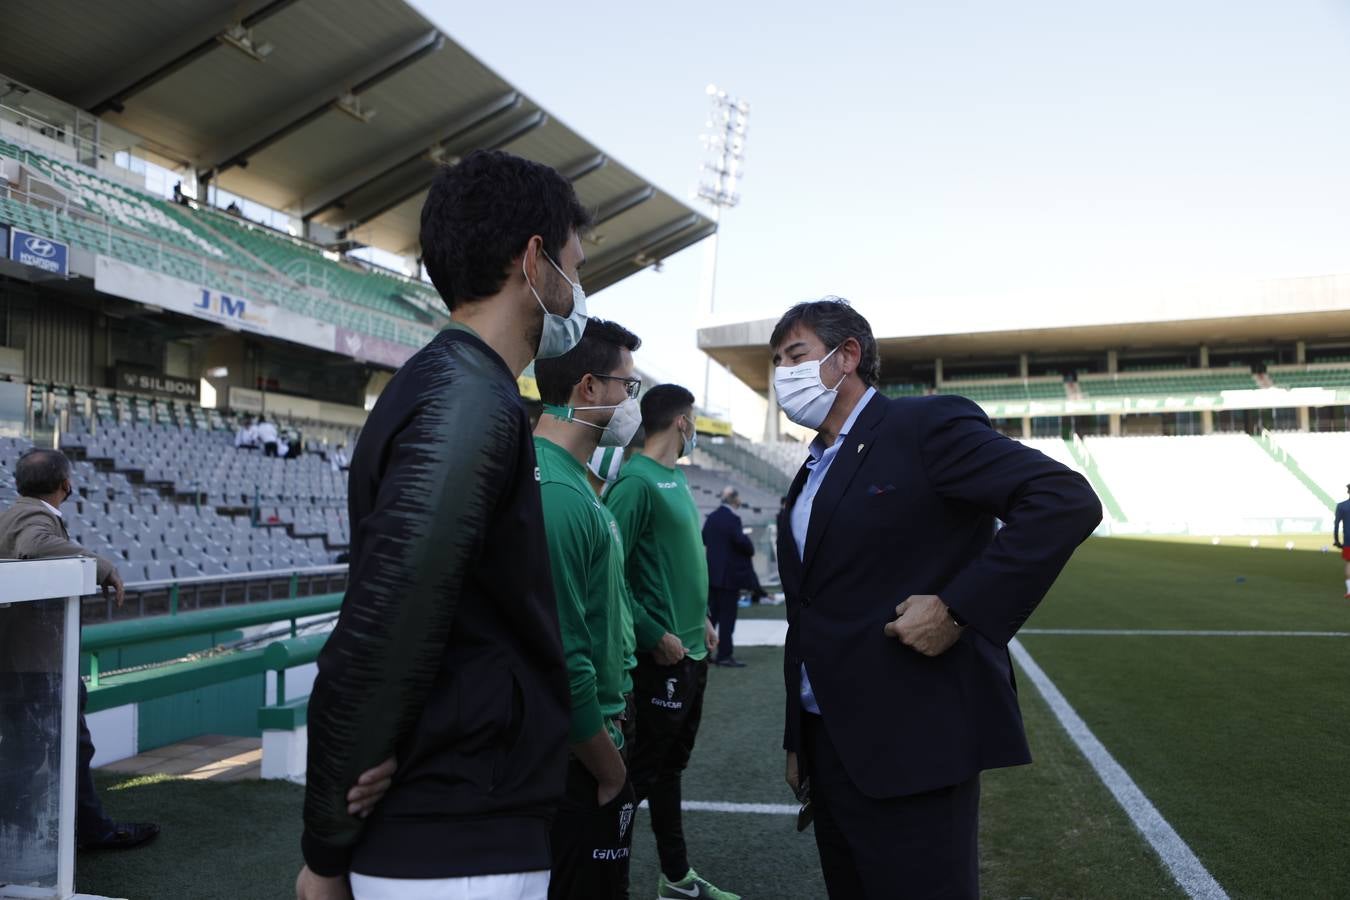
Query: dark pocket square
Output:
(877,490)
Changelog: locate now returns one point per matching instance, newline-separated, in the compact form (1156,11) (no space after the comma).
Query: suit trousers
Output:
(723,604)
(920,847)
(91,822)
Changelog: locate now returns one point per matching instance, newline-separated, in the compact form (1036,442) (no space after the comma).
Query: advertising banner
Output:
(39,252)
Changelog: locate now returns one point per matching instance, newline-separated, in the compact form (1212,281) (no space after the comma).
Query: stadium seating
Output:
(1203,480)
(206,247)
(1200,381)
(176,503)
(305,264)
(904,390)
(759,507)
(1006,391)
(1299,377)
(1324,456)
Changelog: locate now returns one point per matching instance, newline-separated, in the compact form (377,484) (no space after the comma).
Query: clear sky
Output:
(905,153)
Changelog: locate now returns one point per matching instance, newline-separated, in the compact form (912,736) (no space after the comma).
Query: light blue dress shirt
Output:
(818,466)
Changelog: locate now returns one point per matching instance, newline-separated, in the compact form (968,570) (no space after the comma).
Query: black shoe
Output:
(731,662)
(124,836)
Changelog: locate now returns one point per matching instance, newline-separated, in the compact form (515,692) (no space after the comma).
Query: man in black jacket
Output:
(901,604)
(730,571)
(447,652)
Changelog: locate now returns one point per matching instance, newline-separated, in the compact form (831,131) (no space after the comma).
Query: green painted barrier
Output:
(173,678)
(226,618)
(286,717)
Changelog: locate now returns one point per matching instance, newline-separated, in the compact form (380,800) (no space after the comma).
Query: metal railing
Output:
(189,593)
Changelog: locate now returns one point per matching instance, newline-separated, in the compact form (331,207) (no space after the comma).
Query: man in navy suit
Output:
(901,603)
(730,571)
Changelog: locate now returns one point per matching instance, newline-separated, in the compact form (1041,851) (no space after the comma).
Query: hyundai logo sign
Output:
(38,252)
(39,247)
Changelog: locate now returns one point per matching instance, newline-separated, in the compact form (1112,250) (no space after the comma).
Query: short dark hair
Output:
(662,405)
(480,214)
(834,321)
(40,472)
(597,353)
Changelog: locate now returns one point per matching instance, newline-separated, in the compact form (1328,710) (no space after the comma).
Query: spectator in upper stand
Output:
(267,436)
(234,210)
(34,528)
(246,438)
(338,459)
(295,443)
(178,194)
(284,445)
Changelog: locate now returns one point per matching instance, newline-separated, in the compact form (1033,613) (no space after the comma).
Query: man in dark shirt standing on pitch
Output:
(447,652)
(1338,529)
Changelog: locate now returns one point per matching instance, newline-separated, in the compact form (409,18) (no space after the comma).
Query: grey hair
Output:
(834,321)
(729,492)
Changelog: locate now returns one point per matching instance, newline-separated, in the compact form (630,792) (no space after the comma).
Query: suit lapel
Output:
(855,447)
(789,563)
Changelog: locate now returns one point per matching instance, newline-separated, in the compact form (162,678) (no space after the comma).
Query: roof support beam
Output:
(582,167)
(498,139)
(395,157)
(646,249)
(146,73)
(622,204)
(290,120)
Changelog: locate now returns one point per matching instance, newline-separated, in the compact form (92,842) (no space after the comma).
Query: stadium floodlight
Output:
(241,38)
(723,168)
(218,372)
(728,123)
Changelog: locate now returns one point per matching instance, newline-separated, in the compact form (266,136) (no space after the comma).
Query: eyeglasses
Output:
(631,385)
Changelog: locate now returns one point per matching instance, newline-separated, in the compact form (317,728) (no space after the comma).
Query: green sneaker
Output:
(690,886)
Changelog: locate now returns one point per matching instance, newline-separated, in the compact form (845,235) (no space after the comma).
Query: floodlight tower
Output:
(719,185)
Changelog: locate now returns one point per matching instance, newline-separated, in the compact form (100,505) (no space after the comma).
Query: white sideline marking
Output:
(762,809)
(1164,632)
(761,632)
(1185,867)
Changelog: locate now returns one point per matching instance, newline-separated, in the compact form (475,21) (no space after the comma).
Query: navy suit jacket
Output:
(729,551)
(908,507)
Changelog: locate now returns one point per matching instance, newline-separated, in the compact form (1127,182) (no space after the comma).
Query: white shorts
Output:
(512,886)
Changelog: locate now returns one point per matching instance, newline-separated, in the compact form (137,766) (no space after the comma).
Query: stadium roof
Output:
(337,111)
(1243,314)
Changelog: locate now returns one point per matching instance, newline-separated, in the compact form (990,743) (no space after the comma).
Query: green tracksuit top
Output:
(586,557)
(667,567)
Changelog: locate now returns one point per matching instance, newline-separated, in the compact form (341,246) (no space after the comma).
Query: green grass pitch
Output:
(1242,743)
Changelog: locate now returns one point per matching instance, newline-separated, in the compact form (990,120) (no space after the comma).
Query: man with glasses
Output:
(590,401)
(668,575)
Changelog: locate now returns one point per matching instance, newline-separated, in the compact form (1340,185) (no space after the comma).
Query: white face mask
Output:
(560,334)
(605,464)
(802,394)
(622,425)
(690,440)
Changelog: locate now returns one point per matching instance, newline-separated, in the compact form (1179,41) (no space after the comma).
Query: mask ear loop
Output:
(822,362)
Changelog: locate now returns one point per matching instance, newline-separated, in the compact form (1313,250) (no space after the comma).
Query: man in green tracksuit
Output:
(668,575)
(589,396)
